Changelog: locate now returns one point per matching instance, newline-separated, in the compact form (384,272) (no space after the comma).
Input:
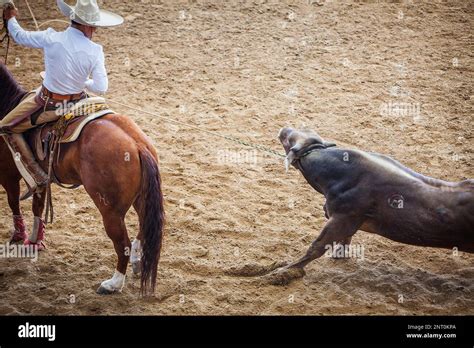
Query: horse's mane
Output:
(10,91)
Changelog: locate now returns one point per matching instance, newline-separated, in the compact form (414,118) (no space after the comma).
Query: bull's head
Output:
(294,141)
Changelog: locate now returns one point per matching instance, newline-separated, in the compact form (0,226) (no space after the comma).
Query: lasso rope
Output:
(32,15)
(228,138)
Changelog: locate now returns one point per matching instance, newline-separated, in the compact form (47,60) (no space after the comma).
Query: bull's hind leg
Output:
(338,228)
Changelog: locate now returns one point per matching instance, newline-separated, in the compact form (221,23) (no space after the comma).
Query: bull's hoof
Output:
(104,291)
(284,276)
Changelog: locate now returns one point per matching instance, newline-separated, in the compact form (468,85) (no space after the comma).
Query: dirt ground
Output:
(246,69)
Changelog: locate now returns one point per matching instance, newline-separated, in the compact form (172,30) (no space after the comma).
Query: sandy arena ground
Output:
(246,69)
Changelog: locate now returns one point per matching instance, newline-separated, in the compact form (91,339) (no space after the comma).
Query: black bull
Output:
(374,193)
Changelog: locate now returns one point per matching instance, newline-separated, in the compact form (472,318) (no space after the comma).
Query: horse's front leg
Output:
(19,235)
(36,238)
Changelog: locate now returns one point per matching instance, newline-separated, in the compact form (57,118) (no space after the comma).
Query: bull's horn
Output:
(290,158)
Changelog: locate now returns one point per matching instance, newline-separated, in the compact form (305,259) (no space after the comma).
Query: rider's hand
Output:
(9,12)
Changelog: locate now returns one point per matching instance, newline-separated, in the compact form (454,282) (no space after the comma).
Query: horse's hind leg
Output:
(13,193)
(110,173)
(117,231)
(113,206)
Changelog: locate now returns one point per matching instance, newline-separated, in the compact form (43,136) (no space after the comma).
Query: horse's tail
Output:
(152,217)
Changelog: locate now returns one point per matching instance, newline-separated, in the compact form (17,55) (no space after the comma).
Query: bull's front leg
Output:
(339,251)
(326,212)
(339,228)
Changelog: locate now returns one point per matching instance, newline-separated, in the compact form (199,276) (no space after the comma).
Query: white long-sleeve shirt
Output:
(70,59)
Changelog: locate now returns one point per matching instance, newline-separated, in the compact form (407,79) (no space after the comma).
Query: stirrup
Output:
(31,191)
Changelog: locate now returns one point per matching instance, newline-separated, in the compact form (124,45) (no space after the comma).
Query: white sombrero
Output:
(87,12)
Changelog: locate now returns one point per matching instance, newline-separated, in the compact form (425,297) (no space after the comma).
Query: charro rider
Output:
(73,63)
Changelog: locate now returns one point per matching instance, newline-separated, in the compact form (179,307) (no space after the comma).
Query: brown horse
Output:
(117,165)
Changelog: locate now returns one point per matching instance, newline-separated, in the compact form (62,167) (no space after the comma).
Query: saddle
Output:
(68,128)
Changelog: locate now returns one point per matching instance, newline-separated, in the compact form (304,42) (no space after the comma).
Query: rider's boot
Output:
(30,170)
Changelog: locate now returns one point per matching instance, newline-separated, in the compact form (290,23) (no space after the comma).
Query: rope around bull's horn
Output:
(229,138)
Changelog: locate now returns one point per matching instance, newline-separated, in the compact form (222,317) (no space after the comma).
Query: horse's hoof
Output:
(18,237)
(284,276)
(104,291)
(39,246)
(136,268)
(17,240)
(112,285)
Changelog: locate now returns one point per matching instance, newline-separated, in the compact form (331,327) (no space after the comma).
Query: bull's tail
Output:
(152,218)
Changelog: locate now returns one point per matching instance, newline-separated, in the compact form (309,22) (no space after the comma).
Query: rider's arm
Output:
(99,82)
(34,39)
